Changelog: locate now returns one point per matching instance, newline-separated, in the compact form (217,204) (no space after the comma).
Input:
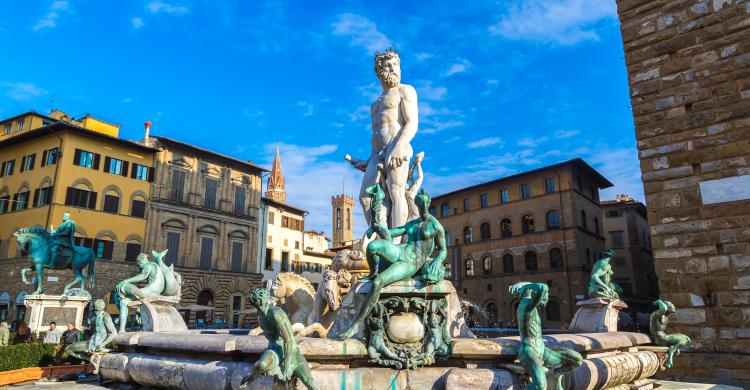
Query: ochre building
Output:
(537,226)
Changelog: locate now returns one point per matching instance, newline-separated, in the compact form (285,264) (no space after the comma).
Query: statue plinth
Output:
(597,315)
(45,308)
(158,314)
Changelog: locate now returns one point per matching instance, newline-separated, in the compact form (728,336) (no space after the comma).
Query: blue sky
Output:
(503,86)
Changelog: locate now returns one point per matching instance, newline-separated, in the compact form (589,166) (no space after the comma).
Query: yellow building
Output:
(53,164)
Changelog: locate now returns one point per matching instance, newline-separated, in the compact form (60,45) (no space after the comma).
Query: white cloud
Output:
(22,91)
(566,133)
(433,120)
(530,142)
(564,22)
(459,67)
(50,18)
(484,142)
(252,112)
(136,22)
(309,109)
(127,100)
(621,166)
(425,90)
(302,165)
(158,6)
(361,31)
(423,56)
(360,113)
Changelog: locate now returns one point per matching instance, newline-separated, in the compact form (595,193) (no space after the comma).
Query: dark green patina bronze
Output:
(658,327)
(601,284)
(104,332)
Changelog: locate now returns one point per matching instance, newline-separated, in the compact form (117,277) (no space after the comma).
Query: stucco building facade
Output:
(538,226)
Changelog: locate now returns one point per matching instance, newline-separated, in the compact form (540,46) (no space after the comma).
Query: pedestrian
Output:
(23,334)
(72,335)
(53,334)
(4,334)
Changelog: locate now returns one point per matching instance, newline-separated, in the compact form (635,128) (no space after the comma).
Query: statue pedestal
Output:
(158,314)
(597,315)
(45,308)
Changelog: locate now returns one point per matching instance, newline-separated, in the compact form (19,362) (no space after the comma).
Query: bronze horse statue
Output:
(38,240)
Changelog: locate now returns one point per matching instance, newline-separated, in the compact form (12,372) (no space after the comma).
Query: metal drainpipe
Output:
(571,296)
(54,180)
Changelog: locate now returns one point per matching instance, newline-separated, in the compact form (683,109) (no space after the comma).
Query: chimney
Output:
(146,139)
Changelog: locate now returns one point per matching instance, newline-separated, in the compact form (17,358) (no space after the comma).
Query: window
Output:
(508,264)
(27,162)
(596,225)
(616,238)
(618,261)
(613,213)
(549,185)
(268,263)
(487,265)
(503,196)
(271,218)
(555,258)
(348,219)
(236,307)
(445,210)
(553,220)
(20,124)
(178,185)
(86,159)
(505,228)
(50,156)
(553,310)
(111,204)
(84,242)
(292,223)
(115,166)
(80,198)
(469,267)
(132,250)
(483,201)
(42,196)
(284,261)
(627,287)
(467,235)
(138,208)
(530,261)
(8,129)
(21,201)
(207,250)
(142,172)
(433,211)
(6,169)
(209,200)
(103,249)
(173,248)
(525,191)
(584,222)
(484,231)
(237,249)
(527,224)
(338,218)
(4,204)
(239,200)
(489,287)
(296,244)
(467,205)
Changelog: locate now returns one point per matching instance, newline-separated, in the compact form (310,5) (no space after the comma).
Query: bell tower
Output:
(342,221)
(276,189)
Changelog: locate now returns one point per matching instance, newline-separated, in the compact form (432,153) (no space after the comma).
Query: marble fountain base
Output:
(193,360)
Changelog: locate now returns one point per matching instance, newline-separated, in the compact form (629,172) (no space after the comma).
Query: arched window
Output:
(553,310)
(553,220)
(484,231)
(584,223)
(506,228)
(205,298)
(527,223)
(487,265)
(492,314)
(555,258)
(338,218)
(508,263)
(469,267)
(530,261)
(467,235)
(348,219)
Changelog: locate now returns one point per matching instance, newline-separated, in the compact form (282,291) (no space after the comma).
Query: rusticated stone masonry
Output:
(689,71)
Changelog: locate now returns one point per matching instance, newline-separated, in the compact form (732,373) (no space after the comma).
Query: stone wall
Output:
(689,72)
(222,285)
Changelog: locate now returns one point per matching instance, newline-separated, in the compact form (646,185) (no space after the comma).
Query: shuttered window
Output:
(173,247)
(27,162)
(239,200)
(132,250)
(103,249)
(178,185)
(209,201)
(80,198)
(42,196)
(237,249)
(207,248)
(86,159)
(4,204)
(21,201)
(115,166)
(6,169)
(138,208)
(111,204)
(142,172)
(50,156)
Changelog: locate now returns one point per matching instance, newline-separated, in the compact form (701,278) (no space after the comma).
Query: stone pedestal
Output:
(597,315)
(158,314)
(45,308)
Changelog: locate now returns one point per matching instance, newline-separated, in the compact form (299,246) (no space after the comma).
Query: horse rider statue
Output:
(62,238)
